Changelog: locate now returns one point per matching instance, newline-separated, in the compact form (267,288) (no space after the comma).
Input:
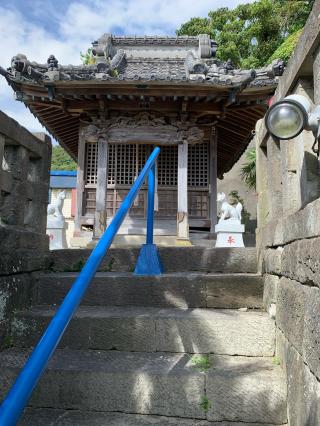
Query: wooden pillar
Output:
(182,216)
(100,217)
(80,185)
(213,179)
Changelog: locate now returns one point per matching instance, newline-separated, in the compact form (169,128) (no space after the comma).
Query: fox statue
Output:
(227,210)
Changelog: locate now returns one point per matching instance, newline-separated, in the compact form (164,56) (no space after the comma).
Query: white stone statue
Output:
(229,229)
(56,224)
(55,208)
(228,212)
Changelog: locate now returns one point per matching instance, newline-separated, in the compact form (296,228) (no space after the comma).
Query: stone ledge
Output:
(298,226)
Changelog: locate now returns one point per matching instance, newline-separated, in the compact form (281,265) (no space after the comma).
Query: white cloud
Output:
(81,24)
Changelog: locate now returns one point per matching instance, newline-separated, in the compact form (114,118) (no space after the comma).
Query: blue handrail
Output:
(20,393)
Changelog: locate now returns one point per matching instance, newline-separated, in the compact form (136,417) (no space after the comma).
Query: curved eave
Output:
(235,124)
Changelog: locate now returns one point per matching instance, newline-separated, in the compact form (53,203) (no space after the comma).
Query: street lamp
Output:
(287,118)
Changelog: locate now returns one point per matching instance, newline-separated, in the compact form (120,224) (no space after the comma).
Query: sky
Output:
(38,28)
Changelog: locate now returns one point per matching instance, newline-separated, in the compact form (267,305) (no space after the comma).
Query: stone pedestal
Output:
(56,229)
(229,233)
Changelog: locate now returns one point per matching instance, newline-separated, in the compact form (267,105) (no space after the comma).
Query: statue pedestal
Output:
(229,233)
(56,229)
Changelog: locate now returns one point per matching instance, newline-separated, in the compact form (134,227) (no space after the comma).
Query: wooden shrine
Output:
(142,92)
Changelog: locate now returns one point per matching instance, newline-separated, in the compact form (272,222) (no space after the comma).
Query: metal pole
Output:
(151,189)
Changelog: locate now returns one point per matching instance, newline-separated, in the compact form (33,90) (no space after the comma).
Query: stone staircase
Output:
(192,347)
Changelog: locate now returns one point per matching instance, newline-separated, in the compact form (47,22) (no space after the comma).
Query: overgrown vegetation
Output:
(205,403)
(276,360)
(200,362)
(61,160)
(251,33)
(285,49)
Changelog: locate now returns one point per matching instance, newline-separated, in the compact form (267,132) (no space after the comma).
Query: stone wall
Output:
(24,185)
(288,235)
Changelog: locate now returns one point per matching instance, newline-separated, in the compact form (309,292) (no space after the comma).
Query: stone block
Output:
(16,292)
(291,306)
(303,390)
(127,382)
(234,291)
(19,261)
(311,344)
(174,259)
(272,261)
(219,332)
(270,290)
(301,261)
(182,290)
(246,390)
(150,329)
(125,289)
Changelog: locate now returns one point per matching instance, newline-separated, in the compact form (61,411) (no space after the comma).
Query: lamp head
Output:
(287,118)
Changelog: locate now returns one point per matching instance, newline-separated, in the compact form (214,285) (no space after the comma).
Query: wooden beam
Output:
(182,215)
(80,185)
(100,218)
(213,180)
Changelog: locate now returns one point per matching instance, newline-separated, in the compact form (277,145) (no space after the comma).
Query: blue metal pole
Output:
(20,393)
(151,189)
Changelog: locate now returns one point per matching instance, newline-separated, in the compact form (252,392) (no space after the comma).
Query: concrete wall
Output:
(24,185)
(288,236)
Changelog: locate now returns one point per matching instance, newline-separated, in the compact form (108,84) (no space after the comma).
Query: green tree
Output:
(61,160)
(251,33)
(248,170)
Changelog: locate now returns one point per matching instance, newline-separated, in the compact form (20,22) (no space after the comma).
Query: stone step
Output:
(233,389)
(181,290)
(56,417)
(175,259)
(143,329)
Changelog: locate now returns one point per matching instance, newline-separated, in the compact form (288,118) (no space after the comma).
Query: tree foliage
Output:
(251,33)
(248,170)
(61,160)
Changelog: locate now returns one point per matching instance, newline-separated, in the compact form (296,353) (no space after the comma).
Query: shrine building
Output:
(138,93)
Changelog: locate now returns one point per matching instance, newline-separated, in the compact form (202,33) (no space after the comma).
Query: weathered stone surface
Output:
(176,289)
(291,305)
(303,389)
(93,327)
(18,261)
(221,332)
(272,261)
(16,292)
(234,291)
(311,344)
(161,384)
(54,417)
(246,390)
(152,329)
(270,290)
(301,261)
(297,226)
(125,289)
(175,259)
